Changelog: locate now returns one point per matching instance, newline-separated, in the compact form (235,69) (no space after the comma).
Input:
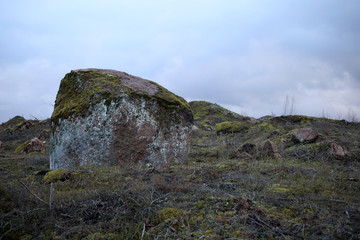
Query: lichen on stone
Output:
(110,117)
(81,89)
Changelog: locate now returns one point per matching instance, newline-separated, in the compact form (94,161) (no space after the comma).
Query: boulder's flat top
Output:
(82,88)
(136,83)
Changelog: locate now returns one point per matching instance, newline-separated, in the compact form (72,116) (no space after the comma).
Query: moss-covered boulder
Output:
(57,175)
(112,118)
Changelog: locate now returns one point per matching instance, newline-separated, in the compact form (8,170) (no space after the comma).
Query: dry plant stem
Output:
(36,196)
(51,196)
(143,232)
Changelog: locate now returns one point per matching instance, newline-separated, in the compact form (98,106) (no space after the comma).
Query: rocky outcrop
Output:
(112,118)
(34,145)
(304,135)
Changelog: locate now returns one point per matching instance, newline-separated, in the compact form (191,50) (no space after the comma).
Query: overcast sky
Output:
(246,55)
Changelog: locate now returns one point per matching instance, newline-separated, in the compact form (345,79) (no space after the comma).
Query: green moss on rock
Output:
(56,175)
(81,89)
(169,99)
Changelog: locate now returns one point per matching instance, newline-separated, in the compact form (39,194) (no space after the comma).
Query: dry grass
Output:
(215,195)
(203,199)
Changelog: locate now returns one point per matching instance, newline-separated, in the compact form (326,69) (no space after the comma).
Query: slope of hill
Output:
(207,115)
(287,177)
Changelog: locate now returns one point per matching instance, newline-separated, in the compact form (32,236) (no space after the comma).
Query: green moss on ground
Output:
(21,147)
(207,115)
(231,127)
(304,195)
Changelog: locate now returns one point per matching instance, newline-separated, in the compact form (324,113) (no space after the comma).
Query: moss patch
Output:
(80,90)
(56,175)
(21,148)
(207,115)
(231,127)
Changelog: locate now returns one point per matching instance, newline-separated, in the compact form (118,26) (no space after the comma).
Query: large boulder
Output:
(107,117)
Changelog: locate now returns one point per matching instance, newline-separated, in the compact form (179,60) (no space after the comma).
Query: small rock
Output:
(304,135)
(35,145)
(270,149)
(338,152)
(194,128)
(249,148)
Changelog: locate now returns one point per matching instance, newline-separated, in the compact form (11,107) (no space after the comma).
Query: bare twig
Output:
(51,195)
(143,232)
(36,196)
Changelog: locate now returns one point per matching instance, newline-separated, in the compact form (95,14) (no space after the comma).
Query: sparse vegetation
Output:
(217,194)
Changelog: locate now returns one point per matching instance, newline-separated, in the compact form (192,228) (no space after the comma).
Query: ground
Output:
(216,194)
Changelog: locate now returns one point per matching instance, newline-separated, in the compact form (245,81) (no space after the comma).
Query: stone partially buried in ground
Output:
(112,118)
(338,152)
(270,149)
(304,135)
(34,145)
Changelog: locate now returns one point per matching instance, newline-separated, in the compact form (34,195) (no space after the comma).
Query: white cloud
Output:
(29,89)
(259,81)
(247,55)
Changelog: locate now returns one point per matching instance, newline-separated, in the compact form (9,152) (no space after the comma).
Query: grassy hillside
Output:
(207,115)
(230,188)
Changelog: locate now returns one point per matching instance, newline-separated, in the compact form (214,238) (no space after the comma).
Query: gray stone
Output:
(304,135)
(338,152)
(107,117)
(270,149)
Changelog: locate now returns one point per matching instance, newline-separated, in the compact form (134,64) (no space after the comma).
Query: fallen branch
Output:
(36,196)
(348,179)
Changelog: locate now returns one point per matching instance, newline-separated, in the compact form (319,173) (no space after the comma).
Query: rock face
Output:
(112,118)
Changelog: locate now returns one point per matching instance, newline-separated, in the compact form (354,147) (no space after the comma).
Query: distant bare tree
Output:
(351,115)
(289,105)
(292,106)
(325,114)
(286,104)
